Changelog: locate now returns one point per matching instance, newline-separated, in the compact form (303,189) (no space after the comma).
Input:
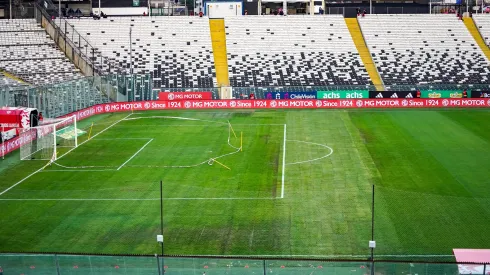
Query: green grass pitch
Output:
(309,197)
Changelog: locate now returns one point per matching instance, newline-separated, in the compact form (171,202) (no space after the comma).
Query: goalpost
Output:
(44,142)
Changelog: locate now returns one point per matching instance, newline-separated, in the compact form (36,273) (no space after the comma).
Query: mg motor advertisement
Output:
(15,143)
(170,96)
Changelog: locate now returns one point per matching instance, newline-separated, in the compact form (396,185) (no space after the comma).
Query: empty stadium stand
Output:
(29,53)
(424,49)
(268,51)
(482,21)
(176,51)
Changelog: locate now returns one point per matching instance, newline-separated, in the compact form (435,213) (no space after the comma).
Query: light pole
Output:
(130,52)
(11,9)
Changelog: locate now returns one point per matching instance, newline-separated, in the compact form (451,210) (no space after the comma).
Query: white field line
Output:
(40,169)
(199,125)
(315,159)
(74,170)
(277,256)
(141,149)
(122,138)
(283,163)
(328,256)
(134,199)
(175,117)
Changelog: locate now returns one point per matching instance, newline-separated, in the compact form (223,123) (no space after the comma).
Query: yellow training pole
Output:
(232,129)
(90,132)
(241,141)
(222,164)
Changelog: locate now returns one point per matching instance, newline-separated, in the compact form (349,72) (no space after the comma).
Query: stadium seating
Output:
(292,51)
(29,53)
(424,49)
(482,21)
(177,51)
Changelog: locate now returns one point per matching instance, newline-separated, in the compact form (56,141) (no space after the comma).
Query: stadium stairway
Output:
(355,31)
(218,40)
(471,26)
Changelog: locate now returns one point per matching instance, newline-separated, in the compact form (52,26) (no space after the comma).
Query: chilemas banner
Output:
(290,95)
(441,94)
(342,94)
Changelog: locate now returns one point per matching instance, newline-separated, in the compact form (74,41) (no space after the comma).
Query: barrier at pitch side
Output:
(15,143)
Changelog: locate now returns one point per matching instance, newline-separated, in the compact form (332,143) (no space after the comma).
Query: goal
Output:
(47,141)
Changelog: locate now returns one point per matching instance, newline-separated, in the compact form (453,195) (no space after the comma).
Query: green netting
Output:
(285,267)
(28,264)
(416,268)
(102,265)
(91,265)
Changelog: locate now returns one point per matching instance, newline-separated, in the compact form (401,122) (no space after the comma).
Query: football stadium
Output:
(244,137)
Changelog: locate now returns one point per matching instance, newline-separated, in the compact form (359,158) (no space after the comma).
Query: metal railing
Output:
(100,64)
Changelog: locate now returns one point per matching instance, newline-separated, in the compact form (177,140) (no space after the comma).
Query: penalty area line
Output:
(141,149)
(40,169)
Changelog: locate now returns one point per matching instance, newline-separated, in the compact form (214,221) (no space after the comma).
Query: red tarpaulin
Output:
(15,117)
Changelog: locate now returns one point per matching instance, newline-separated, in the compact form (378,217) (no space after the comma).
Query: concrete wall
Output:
(223,9)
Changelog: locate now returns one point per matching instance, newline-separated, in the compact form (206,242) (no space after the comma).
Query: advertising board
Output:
(15,143)
(342,94)
(170,96)
(392,94)
(441,94)
(290,95)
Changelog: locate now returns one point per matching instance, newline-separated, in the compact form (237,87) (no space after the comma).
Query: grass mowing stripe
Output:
(423,211)
(283,162)
(139,199)
(37,171)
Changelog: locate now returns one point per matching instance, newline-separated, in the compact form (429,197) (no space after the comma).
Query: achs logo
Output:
(379,95)
(147,105)
(445,102)
(318,104)
(107,108)
(99,109)
(394,95)
(405,102)
(409,95)
(359,103)
(171,96)
(187,104)
(232,104)
(273,104)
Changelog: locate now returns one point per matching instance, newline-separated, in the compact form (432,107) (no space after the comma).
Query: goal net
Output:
(48,141)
